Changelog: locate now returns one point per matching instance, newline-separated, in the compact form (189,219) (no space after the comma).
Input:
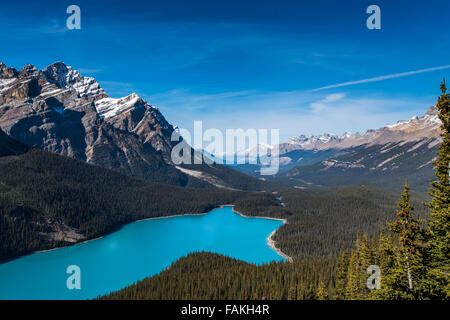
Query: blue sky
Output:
(246,64)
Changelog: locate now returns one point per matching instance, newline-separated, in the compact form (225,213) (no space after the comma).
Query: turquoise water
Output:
(136,251)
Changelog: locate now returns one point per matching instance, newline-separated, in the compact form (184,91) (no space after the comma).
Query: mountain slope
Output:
(380,165)
(59,110)
(382,157)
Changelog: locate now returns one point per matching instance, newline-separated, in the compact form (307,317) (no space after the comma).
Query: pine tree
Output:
(341,273)
(351,290)
(365,260)
(405,277)
(438,245)
(422,256)
(374,250)
(386,256)
(322,293)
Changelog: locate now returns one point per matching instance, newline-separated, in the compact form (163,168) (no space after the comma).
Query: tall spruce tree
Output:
(352,288)
(374,250)
(438,244)
(387,254)
(402,265)
(341,273)
(365,260)
(409,234)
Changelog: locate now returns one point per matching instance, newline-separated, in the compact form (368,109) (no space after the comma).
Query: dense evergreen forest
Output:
(211,276)
(39,190)
(320,222)
(411,260)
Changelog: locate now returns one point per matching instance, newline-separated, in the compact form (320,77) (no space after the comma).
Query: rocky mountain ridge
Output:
(414,129)
(59,110)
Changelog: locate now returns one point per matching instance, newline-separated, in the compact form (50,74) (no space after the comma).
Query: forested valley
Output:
(43,194)
(332,234)
(405,253)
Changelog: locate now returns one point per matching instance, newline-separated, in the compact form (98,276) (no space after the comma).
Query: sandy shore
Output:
(172,216)
(74,244)
(270,242)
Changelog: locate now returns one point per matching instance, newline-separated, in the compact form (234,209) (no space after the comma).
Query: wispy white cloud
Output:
(293,112)
(322,104)
(381,78)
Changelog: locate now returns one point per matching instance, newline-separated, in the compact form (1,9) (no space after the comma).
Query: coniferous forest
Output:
(406,259)
(206,275)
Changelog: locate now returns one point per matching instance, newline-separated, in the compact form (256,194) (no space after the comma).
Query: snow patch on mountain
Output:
(111,107)
(4,83)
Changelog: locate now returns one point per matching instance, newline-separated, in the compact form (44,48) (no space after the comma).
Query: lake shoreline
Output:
(118,261)
(270,242)
(98,238)
(73,244)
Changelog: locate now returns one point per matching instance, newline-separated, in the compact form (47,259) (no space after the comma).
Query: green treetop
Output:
(439,224)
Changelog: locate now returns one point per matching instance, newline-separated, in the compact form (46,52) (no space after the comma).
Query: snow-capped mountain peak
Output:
(313,141)
(429,120)
(66,77)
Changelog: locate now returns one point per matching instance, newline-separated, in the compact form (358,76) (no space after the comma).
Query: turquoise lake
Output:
(138,250)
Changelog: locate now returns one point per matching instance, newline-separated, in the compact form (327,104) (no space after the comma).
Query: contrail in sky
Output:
(380,78)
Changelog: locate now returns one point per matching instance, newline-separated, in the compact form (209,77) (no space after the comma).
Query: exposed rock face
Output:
(59,110)
(57,230)
(133,114)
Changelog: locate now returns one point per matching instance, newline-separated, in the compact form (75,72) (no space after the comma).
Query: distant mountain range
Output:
(414,129)
(381,157)
(59,110)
